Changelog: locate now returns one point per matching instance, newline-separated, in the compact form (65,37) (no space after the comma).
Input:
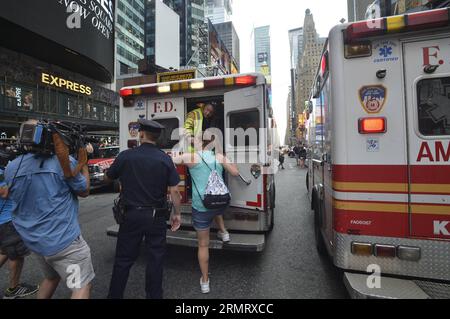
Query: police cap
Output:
(150,126)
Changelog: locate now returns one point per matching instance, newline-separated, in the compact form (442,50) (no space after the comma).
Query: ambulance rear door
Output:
(427,77)
(245,112)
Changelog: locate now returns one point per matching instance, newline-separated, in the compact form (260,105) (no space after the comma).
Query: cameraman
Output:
(46,217)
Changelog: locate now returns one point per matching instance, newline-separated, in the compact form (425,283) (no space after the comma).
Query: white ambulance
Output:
(243,102)
(379,136)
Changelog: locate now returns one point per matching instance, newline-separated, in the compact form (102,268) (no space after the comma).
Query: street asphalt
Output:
(288,268)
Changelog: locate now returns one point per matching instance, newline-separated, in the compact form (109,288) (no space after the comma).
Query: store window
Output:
(18,98)
(434,106)
(47,101)
(71,105)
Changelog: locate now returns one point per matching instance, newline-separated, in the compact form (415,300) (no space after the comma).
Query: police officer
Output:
(145,174)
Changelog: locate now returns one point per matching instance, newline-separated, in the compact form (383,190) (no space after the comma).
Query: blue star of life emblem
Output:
(386,51)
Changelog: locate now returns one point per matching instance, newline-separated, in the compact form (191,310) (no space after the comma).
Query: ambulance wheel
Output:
(116,186)
(320,244)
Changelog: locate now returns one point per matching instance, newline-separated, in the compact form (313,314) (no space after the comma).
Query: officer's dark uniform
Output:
(145,174)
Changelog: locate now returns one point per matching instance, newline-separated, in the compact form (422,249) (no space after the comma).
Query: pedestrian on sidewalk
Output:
(302,155)
(201,165)
(281,158)
(297,154)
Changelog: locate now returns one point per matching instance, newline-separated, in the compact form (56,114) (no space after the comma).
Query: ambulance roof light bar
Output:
(194,85)
(402,23)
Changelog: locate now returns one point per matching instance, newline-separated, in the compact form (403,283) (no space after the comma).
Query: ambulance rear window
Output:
(434,106)
(171,126)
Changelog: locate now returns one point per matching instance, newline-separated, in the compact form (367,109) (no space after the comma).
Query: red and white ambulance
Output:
(379,138)
(243,102)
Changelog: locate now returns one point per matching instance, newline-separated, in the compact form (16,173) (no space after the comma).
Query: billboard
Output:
(58,30)
(167,37)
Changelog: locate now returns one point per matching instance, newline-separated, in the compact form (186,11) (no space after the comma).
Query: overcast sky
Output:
(281,15)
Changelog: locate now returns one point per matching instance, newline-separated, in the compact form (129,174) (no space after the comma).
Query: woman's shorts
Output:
(204,220)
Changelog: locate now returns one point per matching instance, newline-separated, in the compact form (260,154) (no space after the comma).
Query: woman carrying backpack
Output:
(208,189)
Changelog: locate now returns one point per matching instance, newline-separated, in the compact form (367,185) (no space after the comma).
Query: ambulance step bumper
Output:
(391,288)
(239,242)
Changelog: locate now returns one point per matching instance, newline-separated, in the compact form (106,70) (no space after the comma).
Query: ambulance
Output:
(242,102)
(379,142)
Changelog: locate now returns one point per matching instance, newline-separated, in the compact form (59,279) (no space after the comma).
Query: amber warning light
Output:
(373,125)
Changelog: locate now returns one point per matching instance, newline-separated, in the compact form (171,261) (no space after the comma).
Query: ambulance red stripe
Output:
(370,173)
(377,224)
(430,174)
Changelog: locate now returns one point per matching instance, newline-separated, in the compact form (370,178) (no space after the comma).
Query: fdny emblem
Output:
(373,98)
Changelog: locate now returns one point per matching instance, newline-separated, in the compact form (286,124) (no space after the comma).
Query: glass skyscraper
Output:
(219,11)
(193,31)
(129,34)
(262,50)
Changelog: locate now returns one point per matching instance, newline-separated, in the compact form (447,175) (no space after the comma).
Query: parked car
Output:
(99,164)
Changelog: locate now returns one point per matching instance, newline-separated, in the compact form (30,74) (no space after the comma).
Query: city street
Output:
(289,267)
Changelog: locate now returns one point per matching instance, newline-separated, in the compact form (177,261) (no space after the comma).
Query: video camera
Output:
(60,138)
(39,137)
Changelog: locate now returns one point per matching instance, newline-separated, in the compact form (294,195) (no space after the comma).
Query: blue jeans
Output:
(204,220)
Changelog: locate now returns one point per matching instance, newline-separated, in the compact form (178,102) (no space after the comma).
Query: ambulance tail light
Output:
(408,253)
(372,125)
(126,92)
(245,80)
(386,251)
(362,249)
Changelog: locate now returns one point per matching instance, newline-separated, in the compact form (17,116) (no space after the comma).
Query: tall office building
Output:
(262,56)
(229,36)
(193,31)
(296,45)
(130,16)
(219,11)
(162,38)
(307,68)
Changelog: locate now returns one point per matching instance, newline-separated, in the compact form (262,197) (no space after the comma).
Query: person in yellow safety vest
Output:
(197,122)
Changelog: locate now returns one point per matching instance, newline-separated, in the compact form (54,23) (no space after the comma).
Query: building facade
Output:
(193,31)
(130,31)
(357,9)
(45,80)
(162,38)
(230,38)
(219,11)
(262,53)
(306,70)
(296,46)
